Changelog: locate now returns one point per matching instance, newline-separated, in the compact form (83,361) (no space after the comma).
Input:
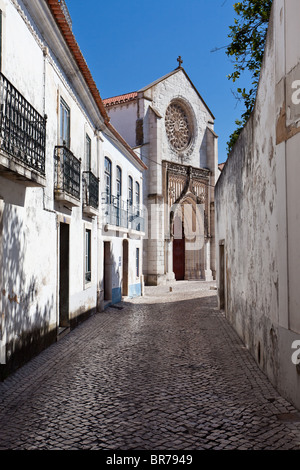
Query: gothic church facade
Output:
(171,128)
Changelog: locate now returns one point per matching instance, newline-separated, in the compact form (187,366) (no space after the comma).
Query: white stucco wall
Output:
(114,235)
(257,214)
(30,225)
(124,118)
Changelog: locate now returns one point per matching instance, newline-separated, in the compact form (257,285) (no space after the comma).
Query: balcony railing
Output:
(22,128)
(121,214)
(90,189)
(135,218)
(67,172)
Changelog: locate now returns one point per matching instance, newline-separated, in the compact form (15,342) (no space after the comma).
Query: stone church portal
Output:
(171,129)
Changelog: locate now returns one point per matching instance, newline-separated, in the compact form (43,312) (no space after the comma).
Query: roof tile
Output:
(119,99)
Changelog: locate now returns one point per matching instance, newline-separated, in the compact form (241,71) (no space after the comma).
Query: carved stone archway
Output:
(186,194)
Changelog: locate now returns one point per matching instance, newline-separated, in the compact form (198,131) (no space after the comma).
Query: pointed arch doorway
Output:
(188,240)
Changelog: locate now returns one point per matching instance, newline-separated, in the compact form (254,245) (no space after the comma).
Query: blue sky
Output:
(128,44)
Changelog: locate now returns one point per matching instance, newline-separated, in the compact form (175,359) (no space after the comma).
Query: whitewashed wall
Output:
(116,237)
(257,213)
(123,118)
(31,216)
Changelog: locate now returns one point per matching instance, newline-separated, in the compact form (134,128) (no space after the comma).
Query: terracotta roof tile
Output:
(119,99)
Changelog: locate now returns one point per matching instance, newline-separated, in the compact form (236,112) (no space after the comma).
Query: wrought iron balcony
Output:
(22,132)
(121,214)
(90,193)
(67,176)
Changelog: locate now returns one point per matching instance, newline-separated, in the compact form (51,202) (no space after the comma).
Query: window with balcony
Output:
(90,193)
(136,215)
(22,133)
(121,212)
(67,175)
(90,183)
(119,192)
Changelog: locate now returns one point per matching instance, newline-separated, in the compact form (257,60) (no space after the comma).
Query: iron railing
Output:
(121,214)
(90,189)
(22,128)
(67,171)
(135,218)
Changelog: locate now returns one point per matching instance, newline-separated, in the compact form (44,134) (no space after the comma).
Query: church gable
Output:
(183,119)
(175,81)
(168,113)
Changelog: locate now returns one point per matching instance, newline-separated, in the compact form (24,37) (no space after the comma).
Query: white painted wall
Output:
(257,214)
(129,167)
(29,264)
(124,118)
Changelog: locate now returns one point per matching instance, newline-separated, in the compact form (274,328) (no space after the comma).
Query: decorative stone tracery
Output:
(186,189)
(182,179)
(178,126)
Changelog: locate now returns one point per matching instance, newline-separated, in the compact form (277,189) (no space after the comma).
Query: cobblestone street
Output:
(164,371)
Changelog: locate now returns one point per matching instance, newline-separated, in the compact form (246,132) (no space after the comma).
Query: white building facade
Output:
(172,130)
(123,221)
(55,136)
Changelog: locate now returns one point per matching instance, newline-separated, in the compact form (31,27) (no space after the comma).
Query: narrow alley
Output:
(163,371)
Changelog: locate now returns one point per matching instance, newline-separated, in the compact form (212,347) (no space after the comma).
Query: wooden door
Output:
(179,258)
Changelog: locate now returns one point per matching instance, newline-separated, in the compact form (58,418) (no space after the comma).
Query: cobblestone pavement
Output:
(164,372)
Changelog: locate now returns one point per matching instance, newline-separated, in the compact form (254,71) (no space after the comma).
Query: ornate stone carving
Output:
(181,182)
(178,126)
(176,187)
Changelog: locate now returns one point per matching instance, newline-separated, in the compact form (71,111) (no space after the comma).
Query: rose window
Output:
(178,126)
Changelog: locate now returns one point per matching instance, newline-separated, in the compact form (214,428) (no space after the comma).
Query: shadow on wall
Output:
(25,318)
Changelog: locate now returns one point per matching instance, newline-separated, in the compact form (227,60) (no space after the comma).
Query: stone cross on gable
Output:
(179,60)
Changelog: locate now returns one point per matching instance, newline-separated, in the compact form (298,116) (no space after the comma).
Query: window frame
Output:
(108,176)
(88,152)
(65,118)
(130,190)
(88,256)
(119,182)
(137,194)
